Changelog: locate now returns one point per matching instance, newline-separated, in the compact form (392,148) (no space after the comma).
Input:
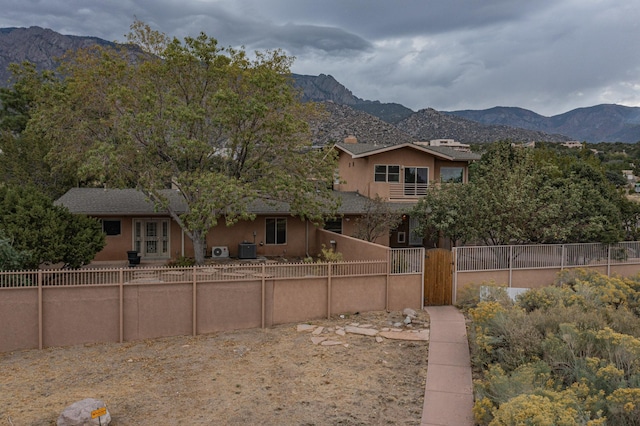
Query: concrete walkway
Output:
(448,398)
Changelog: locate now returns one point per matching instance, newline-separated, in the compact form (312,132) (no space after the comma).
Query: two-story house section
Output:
(401,173)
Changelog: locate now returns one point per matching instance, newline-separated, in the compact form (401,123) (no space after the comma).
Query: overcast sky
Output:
(549,56)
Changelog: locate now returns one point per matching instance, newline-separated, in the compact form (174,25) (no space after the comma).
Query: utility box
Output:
(247,251)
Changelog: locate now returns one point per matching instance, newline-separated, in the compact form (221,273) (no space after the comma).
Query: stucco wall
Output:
(88,314)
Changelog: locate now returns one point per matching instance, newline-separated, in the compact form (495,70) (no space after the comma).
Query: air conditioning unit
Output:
(220,251)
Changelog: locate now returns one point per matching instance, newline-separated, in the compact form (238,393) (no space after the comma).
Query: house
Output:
(399,174)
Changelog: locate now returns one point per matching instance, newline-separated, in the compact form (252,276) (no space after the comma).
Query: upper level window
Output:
(416,180)
(451,174)
(387,173)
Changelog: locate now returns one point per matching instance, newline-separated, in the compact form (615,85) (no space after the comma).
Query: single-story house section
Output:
(132,222)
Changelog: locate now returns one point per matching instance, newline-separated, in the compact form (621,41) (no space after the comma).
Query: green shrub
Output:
(182,261)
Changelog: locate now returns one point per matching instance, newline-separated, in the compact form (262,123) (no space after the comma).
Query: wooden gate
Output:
(438,288)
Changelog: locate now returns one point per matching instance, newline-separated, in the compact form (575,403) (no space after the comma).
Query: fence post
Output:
(40,331)
(264,272)
(609,260)
(455,274)
(564,253)
(510,266)
(121,302)
(330,269)
(194,303)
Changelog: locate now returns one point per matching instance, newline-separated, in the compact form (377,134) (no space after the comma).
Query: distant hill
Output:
(371,120)
(39,46)
(346,121)
(430,124)
(599,123)
(326,88)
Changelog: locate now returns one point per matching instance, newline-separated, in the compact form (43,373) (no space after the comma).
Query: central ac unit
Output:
(220,251)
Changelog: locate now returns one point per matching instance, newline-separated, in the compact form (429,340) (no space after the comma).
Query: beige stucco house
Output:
(400,174)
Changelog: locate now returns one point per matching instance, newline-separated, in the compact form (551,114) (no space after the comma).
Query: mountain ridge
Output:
(593,124)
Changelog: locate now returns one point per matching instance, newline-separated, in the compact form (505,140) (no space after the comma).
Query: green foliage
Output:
(328,254)
(564,354)
(23,155)
(222,128)
(45,233)
(182,261)
(519,196)
(378,219)
(10,258)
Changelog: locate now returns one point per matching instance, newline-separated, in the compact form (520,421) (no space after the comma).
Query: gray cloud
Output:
(548,56)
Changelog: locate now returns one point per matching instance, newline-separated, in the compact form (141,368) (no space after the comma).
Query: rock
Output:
(341,332)
(409,312)
(406,335)
(397,324)
(305,327)
(317,331)
(331,343)
(407,320)
(366,326)
(359,330)
(379,339)
(79,414)
(315,340)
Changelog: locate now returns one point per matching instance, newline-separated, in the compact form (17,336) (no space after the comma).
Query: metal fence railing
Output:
(407,260)
(539,256)
(402,261)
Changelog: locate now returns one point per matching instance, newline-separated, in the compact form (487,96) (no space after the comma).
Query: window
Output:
(276,232)
(402,238)
(416,180)
(111,227)
(385,173)
(451,174)
(334,225)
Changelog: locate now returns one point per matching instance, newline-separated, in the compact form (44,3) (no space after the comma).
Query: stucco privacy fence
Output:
(47,308)
(533,266)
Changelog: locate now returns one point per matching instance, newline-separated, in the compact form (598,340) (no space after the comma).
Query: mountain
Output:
(374,121)
(38,45)
(366,119)
(430,124)
(599,123)
(344,121)
(326,88)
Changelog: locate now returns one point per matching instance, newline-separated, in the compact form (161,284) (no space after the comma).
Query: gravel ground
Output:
(274,376)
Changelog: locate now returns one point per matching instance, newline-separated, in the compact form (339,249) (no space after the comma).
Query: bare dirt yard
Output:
(274,376)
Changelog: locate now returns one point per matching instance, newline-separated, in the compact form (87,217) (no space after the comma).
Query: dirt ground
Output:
(274,376)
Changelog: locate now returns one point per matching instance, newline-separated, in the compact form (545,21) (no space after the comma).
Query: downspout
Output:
(306,238)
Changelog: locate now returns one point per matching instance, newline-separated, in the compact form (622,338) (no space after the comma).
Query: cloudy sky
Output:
(549,56)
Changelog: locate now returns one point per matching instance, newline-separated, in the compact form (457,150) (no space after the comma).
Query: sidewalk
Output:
(448,398)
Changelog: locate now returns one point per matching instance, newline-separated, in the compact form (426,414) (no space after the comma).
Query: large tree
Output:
(23,156)
(40,232)
(220,127)
(519,196)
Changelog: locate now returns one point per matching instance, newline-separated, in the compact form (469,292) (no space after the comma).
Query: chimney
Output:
(350,139)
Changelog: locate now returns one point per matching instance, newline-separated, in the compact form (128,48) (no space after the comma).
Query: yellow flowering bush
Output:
(624,407)
(534,410)
(562,355)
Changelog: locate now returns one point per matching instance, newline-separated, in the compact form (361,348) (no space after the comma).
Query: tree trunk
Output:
(199,246)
